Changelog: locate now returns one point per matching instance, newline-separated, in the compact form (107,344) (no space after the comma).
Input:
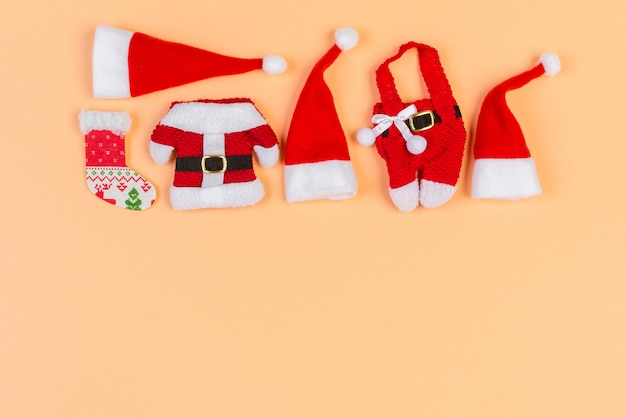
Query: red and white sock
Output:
(107,175)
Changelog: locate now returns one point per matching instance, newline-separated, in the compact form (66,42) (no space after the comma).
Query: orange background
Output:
(317,309)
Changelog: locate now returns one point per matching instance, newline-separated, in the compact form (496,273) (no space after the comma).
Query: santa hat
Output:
(317,161)
(503,167)
(129,64)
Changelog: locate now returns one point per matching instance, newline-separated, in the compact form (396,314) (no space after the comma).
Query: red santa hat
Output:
(503,167)
(129,64)
(317,161)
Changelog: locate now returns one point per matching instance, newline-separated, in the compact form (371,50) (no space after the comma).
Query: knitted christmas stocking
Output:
(108,177)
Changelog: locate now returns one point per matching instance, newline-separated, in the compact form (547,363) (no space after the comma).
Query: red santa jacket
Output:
(214,140)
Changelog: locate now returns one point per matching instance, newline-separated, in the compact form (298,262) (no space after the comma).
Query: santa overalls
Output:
(214,141)
(423,140)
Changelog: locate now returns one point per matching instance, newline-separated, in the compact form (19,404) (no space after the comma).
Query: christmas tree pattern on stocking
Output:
(108,177)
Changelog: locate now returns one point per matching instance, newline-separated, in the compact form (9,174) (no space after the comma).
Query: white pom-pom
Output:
(365,136)
(551,63)
(416,145)
(274,64)
(346,38)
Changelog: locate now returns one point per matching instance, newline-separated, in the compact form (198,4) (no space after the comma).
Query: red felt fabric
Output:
(316,133)
(155,64)
(498,133)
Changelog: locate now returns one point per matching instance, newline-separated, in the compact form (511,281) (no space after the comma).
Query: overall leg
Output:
(403,185)
(439,177)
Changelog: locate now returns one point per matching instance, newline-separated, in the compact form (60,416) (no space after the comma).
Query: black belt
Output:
(422,121)
(425,120)
(213,164)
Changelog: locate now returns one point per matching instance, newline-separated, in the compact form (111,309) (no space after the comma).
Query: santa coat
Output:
(214,140)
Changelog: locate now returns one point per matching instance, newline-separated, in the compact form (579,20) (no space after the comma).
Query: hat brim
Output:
(334,179)
(110,63)
(505,178)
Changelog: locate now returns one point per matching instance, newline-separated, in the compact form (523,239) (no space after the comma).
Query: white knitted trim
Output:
(405,198)
(433,194)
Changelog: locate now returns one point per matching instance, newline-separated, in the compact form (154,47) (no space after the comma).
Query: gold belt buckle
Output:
(221,157)
(418,114)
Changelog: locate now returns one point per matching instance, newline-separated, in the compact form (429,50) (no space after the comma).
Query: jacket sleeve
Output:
(163,141)
(265,144)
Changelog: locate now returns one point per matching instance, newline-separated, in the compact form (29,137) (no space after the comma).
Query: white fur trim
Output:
(268,157)
(346,38)
(213,144)
(366,137)
(505,178)
(274,64)
(95,120)
(160,153)
(551,63)
(405,198)
(225,196)
(334,179)
(433,194)
(213,117)
(110,63)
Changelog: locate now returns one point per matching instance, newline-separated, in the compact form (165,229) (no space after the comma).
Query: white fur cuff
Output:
(95,120)
(160,153)
(505,178)
(110,62)
(333,180)
(268,157)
